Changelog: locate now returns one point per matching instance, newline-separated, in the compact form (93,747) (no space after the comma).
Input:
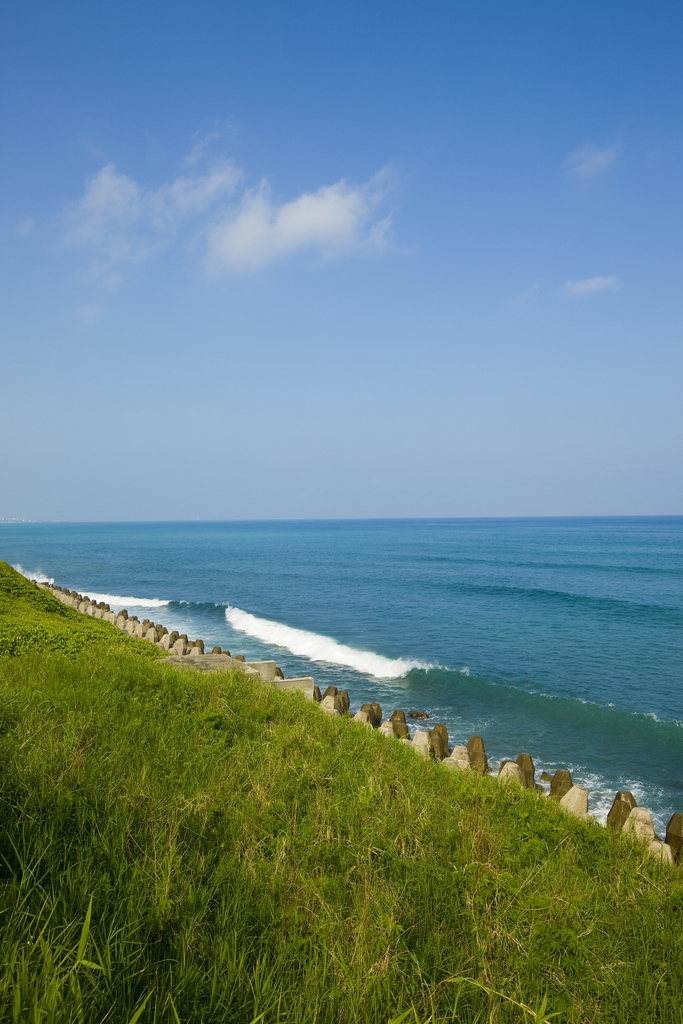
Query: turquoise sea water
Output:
(560,637)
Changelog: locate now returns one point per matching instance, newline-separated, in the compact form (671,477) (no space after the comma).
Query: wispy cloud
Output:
(335,220)
(126,222)
(592,284)
(589,160)
(243,229)
(89,314)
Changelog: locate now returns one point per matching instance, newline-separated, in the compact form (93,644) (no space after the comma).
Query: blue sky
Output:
(307,260)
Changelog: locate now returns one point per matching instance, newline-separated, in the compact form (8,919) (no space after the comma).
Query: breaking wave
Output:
(116,602)
(38,576)
(320,648)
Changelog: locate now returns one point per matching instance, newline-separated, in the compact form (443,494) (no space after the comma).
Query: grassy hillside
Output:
(31,619)
(202,848)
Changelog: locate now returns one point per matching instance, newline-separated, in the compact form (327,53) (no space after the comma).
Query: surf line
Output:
(316,647)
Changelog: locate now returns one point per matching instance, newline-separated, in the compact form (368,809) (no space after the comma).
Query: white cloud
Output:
(589,160)
(127,222)
(592,284)
(337,219)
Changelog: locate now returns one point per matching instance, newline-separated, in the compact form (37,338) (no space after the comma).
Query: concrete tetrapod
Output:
(389,729)
(459,758)
(439,737)
(375,713)
(401,729)
(674,836)
(662,851)
(511,772)
(561,784)
(622,805)
(422,743)
(333,704)
(639,825)
(576,802)
(477,752)
(526,764)
(365,718)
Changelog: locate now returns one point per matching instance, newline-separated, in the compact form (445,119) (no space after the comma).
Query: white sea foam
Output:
(320,648)
(115,601)
(38,576)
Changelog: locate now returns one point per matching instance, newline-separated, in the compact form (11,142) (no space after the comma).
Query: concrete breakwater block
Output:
(477,752)
(639,825)
(364,718)
(528,770)
(662,851)
(422,743)
(674,836)
(576,802)
(398,719)
(560,784)
(510,771)
(336,702)
(622,805)
(395,727)
(439,738)
(266,669)
(374,713)
(459,758)
(389,728)
(305,684)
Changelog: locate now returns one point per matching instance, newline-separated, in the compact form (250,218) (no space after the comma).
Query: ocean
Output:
(559,637)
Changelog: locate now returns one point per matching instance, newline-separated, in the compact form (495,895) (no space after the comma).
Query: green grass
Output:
(32,619)
(203,848)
